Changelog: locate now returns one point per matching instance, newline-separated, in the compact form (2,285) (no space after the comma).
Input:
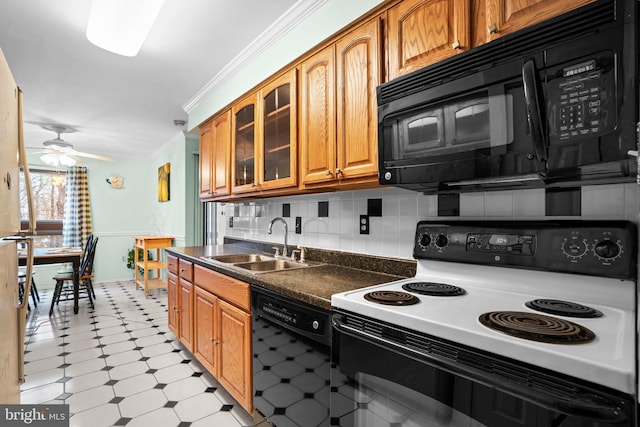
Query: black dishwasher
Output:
(291,360)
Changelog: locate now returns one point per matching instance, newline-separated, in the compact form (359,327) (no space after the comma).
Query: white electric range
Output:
(558,297)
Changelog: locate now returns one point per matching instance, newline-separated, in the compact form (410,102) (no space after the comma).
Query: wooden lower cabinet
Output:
(185,310)
(222,332)
(205,306)
(172,304)
(234,342)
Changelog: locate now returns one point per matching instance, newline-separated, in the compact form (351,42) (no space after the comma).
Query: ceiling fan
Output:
(59,152)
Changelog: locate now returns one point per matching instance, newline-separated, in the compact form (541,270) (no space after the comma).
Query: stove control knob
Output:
(606,249)
(315,325)
(441,240)
(424,240)
(575,247)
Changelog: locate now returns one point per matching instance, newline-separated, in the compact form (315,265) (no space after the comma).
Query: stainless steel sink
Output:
(270,265)
(255,263)
(239,258)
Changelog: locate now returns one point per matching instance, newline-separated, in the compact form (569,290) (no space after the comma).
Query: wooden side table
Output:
(144,244)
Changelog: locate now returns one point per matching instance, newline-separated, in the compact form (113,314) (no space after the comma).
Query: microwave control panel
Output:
(581,99)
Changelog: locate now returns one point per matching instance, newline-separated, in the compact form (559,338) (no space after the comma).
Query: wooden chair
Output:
(64,281)
(22,282)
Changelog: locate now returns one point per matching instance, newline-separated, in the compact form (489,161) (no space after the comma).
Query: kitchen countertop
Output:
(313,285)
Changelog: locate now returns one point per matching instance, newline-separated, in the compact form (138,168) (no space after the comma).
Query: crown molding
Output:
(291,18)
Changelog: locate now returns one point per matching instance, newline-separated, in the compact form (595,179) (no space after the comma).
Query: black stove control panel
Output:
(600,248)
(515,244)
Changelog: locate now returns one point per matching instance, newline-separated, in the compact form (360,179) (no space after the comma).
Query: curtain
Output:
(76,226)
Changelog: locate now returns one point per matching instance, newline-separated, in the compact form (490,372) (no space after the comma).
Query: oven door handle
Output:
(583,404)
(534,117)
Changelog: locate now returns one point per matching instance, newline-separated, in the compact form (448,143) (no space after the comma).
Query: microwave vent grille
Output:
(530,40)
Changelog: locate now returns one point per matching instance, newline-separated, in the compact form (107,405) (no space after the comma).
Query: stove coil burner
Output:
(434,289)
(563,308)
(391,298)
(537,327)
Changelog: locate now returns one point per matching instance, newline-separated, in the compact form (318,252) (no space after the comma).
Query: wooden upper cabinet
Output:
(358,74)
(318,117)
(506,16)
(277,145)
(206,159)
(243,146)
(221,130)
(422,32)
(264,144)
(215,140)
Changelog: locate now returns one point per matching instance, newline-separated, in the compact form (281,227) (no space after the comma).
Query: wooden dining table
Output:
(42,256)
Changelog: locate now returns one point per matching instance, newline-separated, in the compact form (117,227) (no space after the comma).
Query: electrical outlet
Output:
(230,222)
(364,224)
(298,225)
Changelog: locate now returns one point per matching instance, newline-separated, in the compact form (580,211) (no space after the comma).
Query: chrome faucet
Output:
(286,229)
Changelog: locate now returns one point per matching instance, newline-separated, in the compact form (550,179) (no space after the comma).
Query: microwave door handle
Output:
(532,101)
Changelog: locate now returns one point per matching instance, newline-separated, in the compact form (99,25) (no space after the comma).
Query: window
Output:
(48,199)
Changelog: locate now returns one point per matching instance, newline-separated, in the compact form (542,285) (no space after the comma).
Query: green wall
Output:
(327,20)
(118,215)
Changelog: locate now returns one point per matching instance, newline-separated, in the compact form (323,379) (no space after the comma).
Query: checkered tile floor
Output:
(118,364)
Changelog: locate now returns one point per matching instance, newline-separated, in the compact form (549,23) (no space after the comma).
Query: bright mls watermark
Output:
(34,415)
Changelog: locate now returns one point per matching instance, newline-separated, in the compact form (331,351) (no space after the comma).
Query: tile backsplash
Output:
(392,233)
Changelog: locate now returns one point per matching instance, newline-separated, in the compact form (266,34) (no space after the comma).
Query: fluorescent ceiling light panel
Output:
(121,26)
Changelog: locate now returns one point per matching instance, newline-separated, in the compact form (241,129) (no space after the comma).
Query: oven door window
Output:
(464,125)
(374,384)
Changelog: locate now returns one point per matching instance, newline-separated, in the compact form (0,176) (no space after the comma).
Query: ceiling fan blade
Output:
(91,156)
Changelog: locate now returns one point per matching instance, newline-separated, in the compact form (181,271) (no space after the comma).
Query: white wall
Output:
(392,234)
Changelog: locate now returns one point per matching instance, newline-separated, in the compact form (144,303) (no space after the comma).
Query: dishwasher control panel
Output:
(296,316)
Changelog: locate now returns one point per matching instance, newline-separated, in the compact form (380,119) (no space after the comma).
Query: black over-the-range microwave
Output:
(555,104)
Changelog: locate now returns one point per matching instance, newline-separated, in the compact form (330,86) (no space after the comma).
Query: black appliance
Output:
(554,104)
(505,324)
(291,360)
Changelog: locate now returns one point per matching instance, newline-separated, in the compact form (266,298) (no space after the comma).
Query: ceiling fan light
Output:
(57,159)
(121,26)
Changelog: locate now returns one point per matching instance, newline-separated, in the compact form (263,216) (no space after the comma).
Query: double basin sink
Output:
(256,263)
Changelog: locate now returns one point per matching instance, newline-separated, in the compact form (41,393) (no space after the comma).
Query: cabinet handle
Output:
(338,171)
(216,342)
(211,340)
(456,45)
(492,29)
(328,173)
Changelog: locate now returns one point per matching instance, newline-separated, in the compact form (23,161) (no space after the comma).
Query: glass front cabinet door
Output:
(264,154)
(278,167)
(244,137)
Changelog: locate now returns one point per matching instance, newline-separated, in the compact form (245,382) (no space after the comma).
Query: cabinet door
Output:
(172,301)
(206,150)
(278,148)
(507,16)
(422,32)
(204,306)
(184,312)
(221,130)
(243,146)
(317,118)
(234,353)
(358,75)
